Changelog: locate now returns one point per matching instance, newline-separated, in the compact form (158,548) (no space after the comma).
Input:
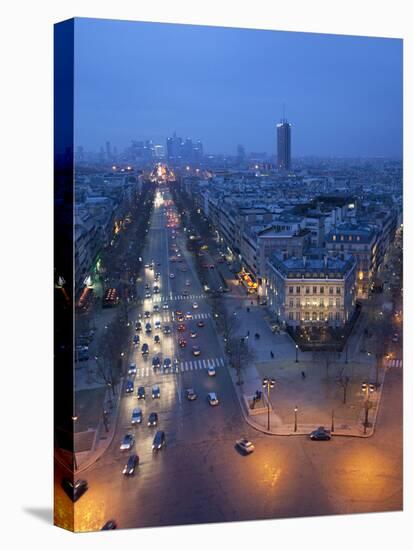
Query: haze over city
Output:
(342,94)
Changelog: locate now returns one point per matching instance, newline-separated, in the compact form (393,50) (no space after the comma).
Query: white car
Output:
(187,283)
(127,442)
(188,315)
(212,399)
(195,305)
(165,306)
(157,325)
(245,446)
(132,368)
(211,371)
(171,276)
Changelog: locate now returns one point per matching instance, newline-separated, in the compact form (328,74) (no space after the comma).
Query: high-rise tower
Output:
(284,145)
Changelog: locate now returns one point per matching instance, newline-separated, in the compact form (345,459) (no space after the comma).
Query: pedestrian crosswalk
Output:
(393,363)
(160,298)
(183,366)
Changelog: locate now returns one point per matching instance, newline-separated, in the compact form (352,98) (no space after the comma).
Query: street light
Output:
(268,383)
(295,418)
(367,389)
(296,353)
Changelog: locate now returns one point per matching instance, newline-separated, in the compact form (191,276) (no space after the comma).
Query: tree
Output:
(241,355)
(343,381)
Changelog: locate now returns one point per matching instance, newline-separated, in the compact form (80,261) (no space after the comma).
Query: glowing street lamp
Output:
(295,418)
(296,353)
(268,384)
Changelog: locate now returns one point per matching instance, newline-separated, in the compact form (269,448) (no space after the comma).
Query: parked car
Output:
(195,305)
(127,442)
(245,446)
(159,441)
(156,392)
(131,464)
(190,394)
(141,392)
(156,362)
(153,419)
(136,416)
(138,326)
(212,399)
(200,324)
(320,434)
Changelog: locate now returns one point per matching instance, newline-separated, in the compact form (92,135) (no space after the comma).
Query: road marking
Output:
(222,361)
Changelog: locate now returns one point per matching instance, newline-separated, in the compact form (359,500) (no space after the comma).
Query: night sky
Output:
(343,95)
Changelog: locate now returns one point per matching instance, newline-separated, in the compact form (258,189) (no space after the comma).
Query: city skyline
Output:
(343,94)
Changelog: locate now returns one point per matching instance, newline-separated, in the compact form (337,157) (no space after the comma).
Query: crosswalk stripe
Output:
(222,361)
(182,367)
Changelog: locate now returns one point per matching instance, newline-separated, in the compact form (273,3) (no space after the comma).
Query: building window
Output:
(338,316)
(334,237)
(307,302)
(338,290)
(314,290)
(322,302)
(298,303)
(330,302)
(358,237)
(350,238)
(297,289)
(291,303)
(291,316)
(307,290)
(331,290)
(321,290)
(342,238)
(307,315)
(337,302)
(314,316)
(297,316)
(330,315)
(291,289)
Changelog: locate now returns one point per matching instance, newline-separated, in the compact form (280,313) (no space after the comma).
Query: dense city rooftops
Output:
(313,267)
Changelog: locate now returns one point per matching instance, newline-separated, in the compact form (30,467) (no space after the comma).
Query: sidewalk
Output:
(318,394)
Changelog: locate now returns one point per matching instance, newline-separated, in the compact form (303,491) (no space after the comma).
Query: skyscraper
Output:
(284,145)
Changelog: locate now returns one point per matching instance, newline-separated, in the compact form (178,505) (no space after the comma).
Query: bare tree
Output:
(343,381)
(242,355)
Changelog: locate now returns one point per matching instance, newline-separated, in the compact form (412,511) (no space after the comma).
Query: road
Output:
(200,477)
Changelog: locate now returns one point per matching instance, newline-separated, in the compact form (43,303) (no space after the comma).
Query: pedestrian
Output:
(252,303)
(248,333)
(302,374)
(248,309)
(272,354)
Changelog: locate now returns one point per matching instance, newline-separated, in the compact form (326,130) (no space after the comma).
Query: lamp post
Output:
(332,421)
(367,389)
(296,353)
(268,383)
(295,418)
(74,418)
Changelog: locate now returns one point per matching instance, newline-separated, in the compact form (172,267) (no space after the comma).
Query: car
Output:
(167,363)
(320,434)
(193,334)
(183,268)
(167,329)
(187,283)
(196,351)
(245,446)
(171,276)
(156,392)
(157,324)
(129,386)
(212,399)
(156,308)
(132,368)
(190,394)
(195,305)
(156,289)
(127,442)
(147,314)
(180,318)
(159,441)
(136,416)
(109,525)
(136,339)
(147,266)
(181,328)
(188,315)
(153,419)
(129,468)
(211,371)
(145,349)
(138,326)
(148,328)
(185,293)
(182,342)
(165,306)
(157,339)
(178,313)
(395,338)
(148,295)
(141,392)
(74,490)
(156,362)
(200,324)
